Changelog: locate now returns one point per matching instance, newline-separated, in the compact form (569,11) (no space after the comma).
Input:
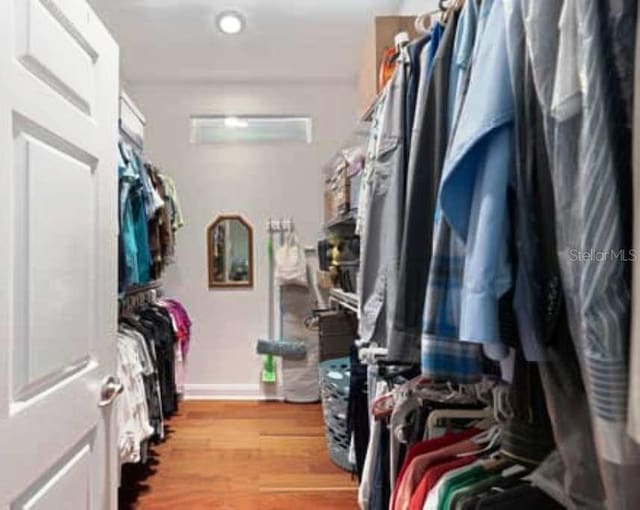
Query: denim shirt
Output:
(476,177)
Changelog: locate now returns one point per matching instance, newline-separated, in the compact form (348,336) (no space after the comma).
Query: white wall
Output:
(257,181)
(411,7)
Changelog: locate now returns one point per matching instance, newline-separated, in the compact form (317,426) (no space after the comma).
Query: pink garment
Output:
(181,322)
(182,329)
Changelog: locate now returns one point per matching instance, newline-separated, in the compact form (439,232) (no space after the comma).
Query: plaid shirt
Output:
(443,355)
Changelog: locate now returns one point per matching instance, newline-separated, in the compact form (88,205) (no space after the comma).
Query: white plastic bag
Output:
(291,263)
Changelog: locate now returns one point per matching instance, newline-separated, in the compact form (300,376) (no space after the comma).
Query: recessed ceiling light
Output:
(230,22)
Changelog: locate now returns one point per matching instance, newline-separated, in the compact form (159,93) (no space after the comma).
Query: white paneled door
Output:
(58,245)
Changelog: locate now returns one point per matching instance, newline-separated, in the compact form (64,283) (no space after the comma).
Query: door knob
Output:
(111,388)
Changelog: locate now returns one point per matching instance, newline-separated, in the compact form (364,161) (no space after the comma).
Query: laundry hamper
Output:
(334,391)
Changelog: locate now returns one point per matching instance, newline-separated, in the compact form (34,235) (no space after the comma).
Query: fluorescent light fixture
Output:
(230,22)
(206,129)
(236,122)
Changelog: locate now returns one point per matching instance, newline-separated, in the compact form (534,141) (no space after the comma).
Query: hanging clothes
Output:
(442,355)
(134,426)
(512,193)
(428,142)
(150,342)
(634,382)
(150,214)
(475,180)
(587,192)
(382,232)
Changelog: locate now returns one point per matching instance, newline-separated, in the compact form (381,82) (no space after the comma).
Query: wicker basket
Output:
(334,391)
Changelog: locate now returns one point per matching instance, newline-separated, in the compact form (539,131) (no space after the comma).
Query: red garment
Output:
(430,446)
(422,463)
(387,66)
(432,476)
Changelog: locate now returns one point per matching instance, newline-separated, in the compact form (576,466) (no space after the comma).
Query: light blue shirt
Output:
(443,355)
(461,60)
(476,176)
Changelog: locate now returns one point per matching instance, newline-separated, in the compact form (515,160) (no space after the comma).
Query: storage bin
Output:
(337,331)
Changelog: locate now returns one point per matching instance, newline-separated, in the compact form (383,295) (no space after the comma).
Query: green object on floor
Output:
(269,365)
(268,369)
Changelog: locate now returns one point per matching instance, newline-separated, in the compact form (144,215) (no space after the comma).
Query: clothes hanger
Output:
(422,23)
(446,414)
(422,388)
(383,405)
(448,393)
(503,411)
(491,437)
(444,9)
(447,10)
(401,40)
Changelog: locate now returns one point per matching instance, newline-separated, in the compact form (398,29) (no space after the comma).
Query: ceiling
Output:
(284,40)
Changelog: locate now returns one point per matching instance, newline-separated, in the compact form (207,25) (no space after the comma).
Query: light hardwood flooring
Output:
(241,455)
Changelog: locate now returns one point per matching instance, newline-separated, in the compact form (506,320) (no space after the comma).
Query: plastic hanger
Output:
(401,40)
(383,406)
(503,411)
(444,414)
(491,437)
(422,23)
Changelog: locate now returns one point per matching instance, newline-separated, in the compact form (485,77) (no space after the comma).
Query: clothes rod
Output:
(138,289)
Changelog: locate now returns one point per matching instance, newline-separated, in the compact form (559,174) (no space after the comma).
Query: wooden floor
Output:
(241,455)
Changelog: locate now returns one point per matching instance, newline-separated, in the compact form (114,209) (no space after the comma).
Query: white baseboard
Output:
(233,392)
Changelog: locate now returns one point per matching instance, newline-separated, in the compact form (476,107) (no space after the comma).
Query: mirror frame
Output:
(213,284)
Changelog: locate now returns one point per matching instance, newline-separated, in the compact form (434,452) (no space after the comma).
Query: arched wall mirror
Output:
(230,252)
